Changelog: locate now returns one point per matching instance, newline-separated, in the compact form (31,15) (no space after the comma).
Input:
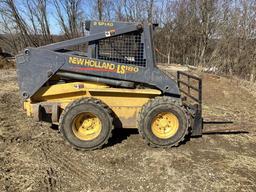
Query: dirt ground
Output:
(6,63)
(33,156)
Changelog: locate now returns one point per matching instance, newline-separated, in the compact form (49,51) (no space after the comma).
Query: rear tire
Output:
(162,122)
(86,124)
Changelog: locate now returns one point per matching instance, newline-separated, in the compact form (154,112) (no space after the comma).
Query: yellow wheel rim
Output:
(165,125)
(86,126)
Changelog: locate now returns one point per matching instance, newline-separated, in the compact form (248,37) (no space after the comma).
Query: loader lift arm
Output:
(139,66)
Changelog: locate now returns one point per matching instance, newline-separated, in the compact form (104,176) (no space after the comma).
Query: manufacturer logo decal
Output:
(102,66)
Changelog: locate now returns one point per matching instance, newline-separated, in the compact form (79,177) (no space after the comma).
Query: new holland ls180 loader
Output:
(115,83)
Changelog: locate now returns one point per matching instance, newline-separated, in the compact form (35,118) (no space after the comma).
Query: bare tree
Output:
(150,6)
(8,38)
(37,13)
(100,8)
(10,10)
(69,16)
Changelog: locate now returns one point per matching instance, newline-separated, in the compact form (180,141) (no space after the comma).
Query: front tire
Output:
(163,122)
(86,124)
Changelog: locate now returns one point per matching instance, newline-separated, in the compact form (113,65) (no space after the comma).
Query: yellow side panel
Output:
(125,103)
(127,115)
(67,90)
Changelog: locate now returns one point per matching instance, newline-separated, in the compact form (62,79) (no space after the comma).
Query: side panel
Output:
(125,103)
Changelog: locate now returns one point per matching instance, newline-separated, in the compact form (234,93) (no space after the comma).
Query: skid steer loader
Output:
(113,83)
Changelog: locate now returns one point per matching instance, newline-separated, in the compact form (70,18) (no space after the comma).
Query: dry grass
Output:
(6,63)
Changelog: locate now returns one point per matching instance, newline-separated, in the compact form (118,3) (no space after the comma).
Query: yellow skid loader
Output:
(114,83)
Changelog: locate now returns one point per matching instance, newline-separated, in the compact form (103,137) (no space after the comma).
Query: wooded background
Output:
(215,34)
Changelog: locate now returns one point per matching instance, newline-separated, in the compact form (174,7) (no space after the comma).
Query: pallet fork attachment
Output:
(191,88)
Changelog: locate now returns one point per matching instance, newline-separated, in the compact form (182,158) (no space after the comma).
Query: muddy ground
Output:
(33,156)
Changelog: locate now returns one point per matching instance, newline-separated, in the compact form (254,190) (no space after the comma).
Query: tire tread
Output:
(85,101)
(154,102)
